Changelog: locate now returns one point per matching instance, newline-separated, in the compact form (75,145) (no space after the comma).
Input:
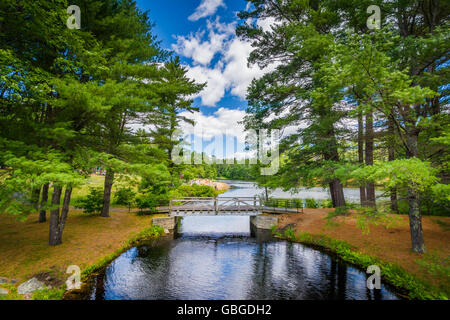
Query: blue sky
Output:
(202,34)
(172,20)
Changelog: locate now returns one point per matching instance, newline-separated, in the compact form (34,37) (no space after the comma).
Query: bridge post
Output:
(170,206)
(216,208)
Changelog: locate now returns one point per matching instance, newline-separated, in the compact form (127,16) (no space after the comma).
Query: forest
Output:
(363,100)
(361,103)
(70,99)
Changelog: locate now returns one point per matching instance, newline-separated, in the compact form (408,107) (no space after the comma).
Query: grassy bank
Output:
(409,285)
(385,244)
(89,242)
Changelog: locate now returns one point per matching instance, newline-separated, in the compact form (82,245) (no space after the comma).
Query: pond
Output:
(250,189)
(217,258)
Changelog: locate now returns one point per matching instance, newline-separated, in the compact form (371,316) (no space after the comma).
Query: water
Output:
(217,258)
(249,189)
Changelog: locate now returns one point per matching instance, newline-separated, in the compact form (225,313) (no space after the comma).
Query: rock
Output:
(3,280)
(14,281)
(30,286)
(165,222)
(166,231)
(3,291)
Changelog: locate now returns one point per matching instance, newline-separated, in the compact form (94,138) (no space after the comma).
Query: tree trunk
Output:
(54,217)
(35,198)
(336,188)
(415,222)
(42,213)
(370,187)
(109,180)
(337,193)
(57,222)
(267,193)
(415,217)
(362,189)
(391,157)
(64,212)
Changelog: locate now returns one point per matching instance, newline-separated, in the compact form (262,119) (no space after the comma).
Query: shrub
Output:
(125,196)
(92,203)
(194,191)
(147,202)
(48,294)
(311,203)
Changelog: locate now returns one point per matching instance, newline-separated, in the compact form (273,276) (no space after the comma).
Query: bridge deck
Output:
(224,210)
(183,206)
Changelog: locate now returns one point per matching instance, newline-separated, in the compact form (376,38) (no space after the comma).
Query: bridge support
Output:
(263,222)
(260,227)
(168,223)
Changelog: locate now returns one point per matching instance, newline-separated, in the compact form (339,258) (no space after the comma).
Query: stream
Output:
(215,257)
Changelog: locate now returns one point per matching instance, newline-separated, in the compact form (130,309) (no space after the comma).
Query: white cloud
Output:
(236,71)
(206,8)
(203,51)
(266,23)
(209,131)
(223,121)
(229,72)
(216,83)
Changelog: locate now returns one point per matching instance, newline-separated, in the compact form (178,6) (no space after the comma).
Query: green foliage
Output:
(12,295)
(236,171)
(194,190)
(68,98)
(147,202)
(289,233)
(311,203)
(152,232)
(368,215)
(438,267)
(49,294)
(93,202)
(298,203)
(402,173)
(440,194)
(125,196)
(284,203)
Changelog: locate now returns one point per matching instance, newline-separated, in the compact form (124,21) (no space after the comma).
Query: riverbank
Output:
(88,242)
(387,242)
(220,186)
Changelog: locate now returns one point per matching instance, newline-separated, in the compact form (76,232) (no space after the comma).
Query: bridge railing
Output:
(215,205)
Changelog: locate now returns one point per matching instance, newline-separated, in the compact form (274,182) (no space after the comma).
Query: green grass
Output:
(49,294)
(12,295)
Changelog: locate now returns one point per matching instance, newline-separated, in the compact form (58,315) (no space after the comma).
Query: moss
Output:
(414,287)
(49,294)
(12,295)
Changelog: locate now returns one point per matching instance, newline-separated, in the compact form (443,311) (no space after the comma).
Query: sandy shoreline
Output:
(221,186)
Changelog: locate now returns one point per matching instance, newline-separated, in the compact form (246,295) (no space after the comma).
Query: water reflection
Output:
(214,258)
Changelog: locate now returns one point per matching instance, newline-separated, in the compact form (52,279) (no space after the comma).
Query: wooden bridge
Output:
(223,206)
